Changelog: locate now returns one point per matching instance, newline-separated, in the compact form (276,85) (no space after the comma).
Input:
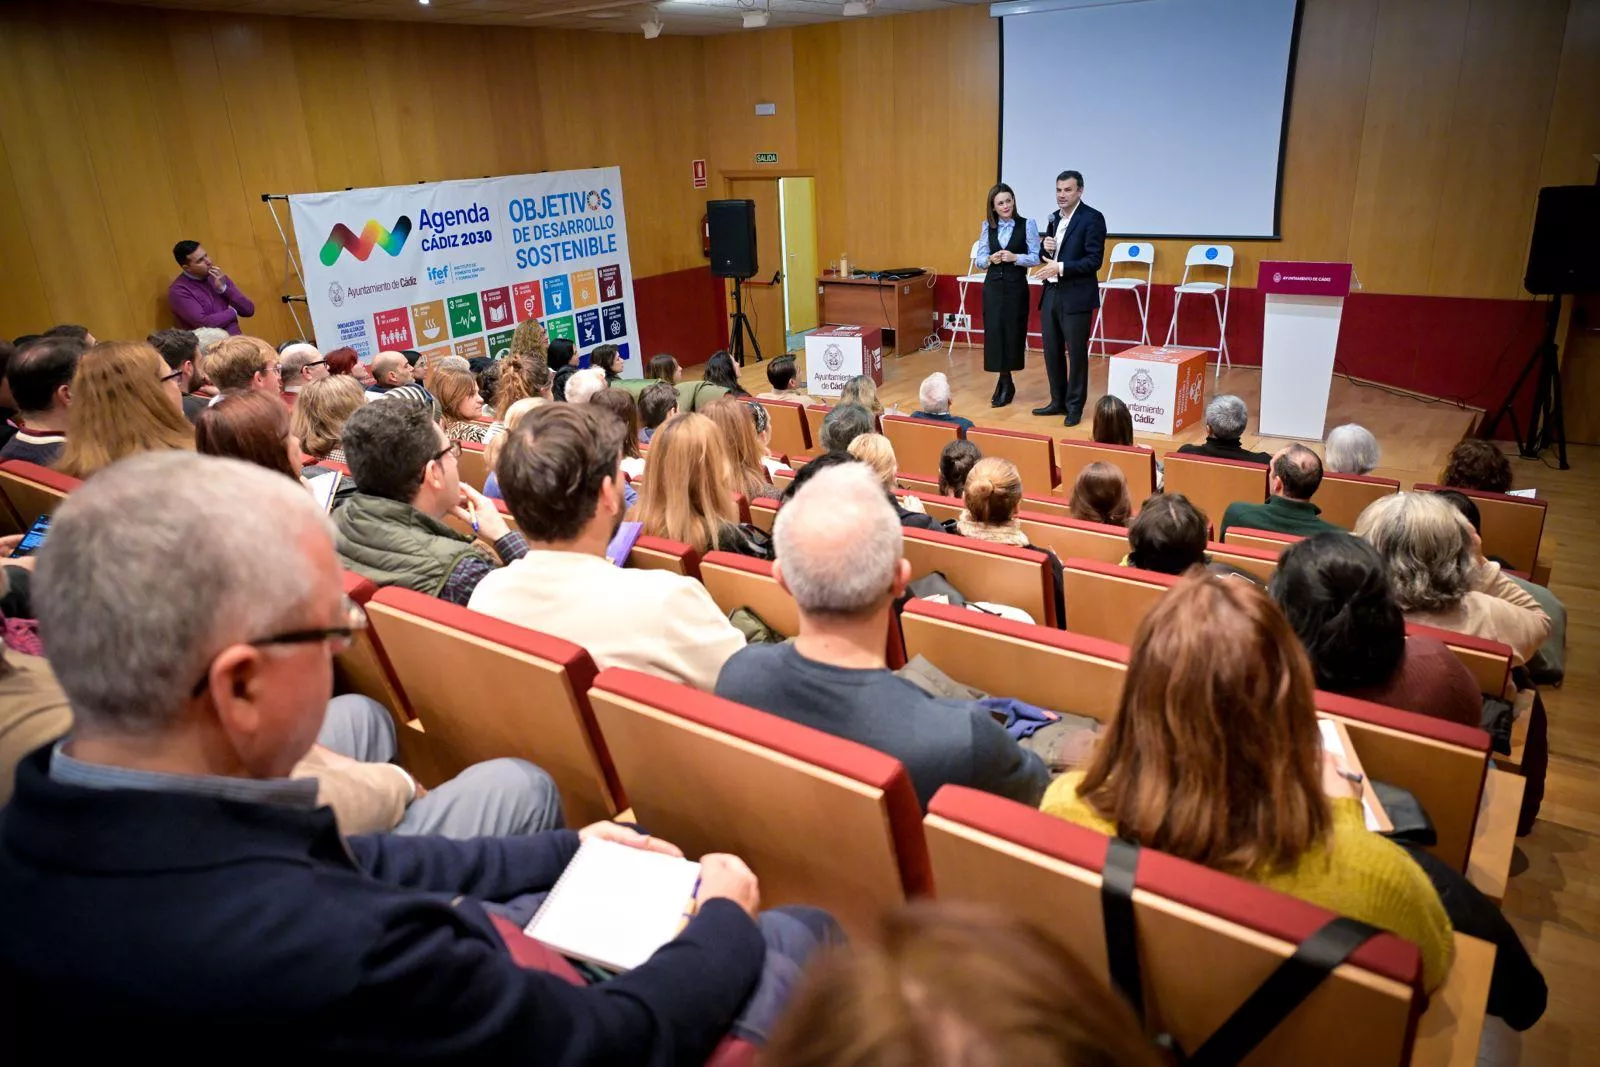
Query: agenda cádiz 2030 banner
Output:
(454,266)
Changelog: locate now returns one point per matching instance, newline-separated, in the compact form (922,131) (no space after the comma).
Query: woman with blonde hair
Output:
(738,430)
(1101,495)
(687,495)
(321,411)
(1214,756)
(124,401)
(876,451)
(991,500)
(460,404)
(864,391)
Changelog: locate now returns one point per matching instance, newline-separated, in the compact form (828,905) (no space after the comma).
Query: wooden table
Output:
(905,307)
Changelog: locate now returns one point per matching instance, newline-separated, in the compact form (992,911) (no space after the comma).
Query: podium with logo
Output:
(1300,334)
(1164,386)
(835,354)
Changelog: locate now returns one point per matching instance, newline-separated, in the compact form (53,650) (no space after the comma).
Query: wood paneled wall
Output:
(123,130)
(1420,132)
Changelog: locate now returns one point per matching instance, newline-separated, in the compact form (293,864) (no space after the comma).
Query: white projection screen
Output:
(1173,110)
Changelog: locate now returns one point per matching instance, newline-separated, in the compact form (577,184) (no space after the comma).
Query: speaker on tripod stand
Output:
(733,255)
(1563,260)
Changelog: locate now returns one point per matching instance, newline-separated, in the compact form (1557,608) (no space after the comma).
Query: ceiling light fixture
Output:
(755,16)
(652,26)
(856,8)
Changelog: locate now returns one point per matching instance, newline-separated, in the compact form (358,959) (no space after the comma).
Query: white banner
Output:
(455,266)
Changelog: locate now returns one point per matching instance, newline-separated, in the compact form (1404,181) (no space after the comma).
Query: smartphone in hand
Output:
(33,538)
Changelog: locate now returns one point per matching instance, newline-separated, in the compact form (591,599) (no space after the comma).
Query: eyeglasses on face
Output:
(337,638)
(174,376)
(452,449)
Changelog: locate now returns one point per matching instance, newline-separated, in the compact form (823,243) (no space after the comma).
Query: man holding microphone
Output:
(204,296)
(1074,244)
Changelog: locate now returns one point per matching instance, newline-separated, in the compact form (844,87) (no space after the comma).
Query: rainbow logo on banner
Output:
(340,239)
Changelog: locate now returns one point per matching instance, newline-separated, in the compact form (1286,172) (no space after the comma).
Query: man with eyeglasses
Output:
(181,350)
(299,365)
(392,531)
(168,889)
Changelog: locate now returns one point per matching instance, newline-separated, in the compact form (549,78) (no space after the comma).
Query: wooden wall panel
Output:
(741,71)
(1573,136)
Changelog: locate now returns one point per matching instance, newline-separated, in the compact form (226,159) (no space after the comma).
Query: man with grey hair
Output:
(1350,449)
(1295,474)
(839,550)
(933,396)
(844,424)
(167,887)
(1226,418)
(300,364)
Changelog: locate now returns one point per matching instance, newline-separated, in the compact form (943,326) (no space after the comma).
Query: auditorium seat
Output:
(473,465)
(941,508)
(781,479)
(919,483)
(820,820)
(814,414)
(742,503)
(31,491)
(364,668)
(1136,462)
(1261,563)
(918,442)
(1044,504)
(764,512)
(1068,537)
(1512,526)
(790,434)
(1033,453)
(484,688)
(660,554)
(1343,497)
(1002,574)
(1207,940)
(1108,601)
(736,581)
(1212,484)
(1489,661)
(1263,540)
(463,527)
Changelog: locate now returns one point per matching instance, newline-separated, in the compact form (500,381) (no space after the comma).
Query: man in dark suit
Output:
(1074,244)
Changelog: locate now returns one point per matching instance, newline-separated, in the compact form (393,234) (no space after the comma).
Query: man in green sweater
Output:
(1296,472)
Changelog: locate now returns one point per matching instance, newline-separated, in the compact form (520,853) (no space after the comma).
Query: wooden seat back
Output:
(32,491)
(1136,462)
(736,581)
(1511,526)
(1108,601)
(660,554)
(474,465)
(1033,453)
(1343,497)
(814,414)
(1262,540)
(1002,574)
(1068,537)
(1258,562)
(790,434)
(1212,484)
(918,442)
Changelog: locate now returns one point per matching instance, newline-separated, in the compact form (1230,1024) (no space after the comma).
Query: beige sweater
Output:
(1497,609)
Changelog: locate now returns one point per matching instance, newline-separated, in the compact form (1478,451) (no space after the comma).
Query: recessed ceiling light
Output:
(853,8)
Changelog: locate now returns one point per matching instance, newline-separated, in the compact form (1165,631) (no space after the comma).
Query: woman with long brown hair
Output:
(738,430)
(620,403)
(320,413)
(252,426)
(122,405)
(457,393)
(1101,495)
(1214,756)
(687,494)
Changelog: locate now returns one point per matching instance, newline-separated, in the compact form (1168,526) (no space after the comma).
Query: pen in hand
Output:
(690,908)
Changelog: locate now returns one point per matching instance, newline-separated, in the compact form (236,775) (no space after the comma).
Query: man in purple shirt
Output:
(202,295)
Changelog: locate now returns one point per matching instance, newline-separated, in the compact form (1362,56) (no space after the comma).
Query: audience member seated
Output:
(73,332)
(1440,577)
(320,414)
(1214,756)
(345,363)
(1335,590)
(522,377)
(1101,495)
(563,362)
(842,425)
(486,372)
(739,442)
(1350,449)
(173,784)
(784,377)
(864,391)
(491,449)
(620,403)
(460,404)
(8,404)
(664,368)
(40,378)
(252,427)
(1113,425)
(722,371)
(390,370)
(299,365)
(812,469)
(657,404)
(448,361)
(933,400)
(1169,535)
(1477,464)
(991,500)
(122,404)
(877,453)
(839,555)
(954,985)
(687,495)
(391,530)
(582,385)
(955,463)
(241,363)
(560,473)
(1548,666)
(181,350)
(763,423)
(1292,480)
(1226,418)
(609,359)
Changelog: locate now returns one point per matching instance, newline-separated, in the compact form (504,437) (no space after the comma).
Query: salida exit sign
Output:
(766,157)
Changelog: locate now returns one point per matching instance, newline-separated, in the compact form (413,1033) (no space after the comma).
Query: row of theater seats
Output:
(1512,526)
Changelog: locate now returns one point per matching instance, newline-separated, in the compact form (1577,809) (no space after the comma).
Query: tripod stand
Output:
(1547,425)
(741,326)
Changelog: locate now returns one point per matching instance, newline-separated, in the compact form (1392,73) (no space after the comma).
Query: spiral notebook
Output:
(614,905)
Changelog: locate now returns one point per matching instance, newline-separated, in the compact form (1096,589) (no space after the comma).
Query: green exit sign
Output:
(766,157)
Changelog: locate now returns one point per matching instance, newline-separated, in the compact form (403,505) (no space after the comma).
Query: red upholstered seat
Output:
(31,491)
(658,553)
(821,820)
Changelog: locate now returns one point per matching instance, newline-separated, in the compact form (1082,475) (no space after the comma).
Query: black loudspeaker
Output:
(733,237)
(1565,256)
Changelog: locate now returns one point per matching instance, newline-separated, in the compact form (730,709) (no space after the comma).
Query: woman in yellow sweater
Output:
(1214,757)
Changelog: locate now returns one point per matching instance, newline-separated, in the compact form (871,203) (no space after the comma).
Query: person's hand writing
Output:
(618,834)
(1334,782)
(491,525)
(722,875)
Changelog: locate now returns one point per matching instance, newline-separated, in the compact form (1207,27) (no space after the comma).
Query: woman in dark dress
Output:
(1007,247)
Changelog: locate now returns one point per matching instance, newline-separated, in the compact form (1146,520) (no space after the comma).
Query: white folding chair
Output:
(1126,252)
(962,283)
(1207,256)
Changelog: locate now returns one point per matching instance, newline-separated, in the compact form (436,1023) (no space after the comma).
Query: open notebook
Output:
(1336,740)
(614,905)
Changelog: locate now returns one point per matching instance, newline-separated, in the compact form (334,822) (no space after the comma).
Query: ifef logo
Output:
(373,235)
